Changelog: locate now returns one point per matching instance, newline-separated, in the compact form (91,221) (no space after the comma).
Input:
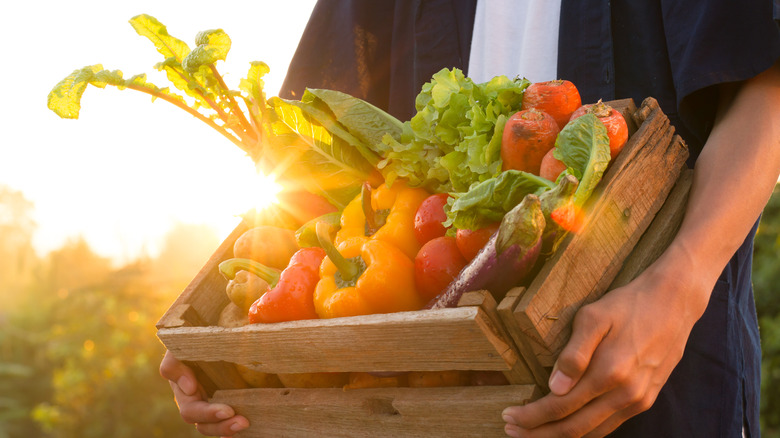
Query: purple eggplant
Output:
(505,260)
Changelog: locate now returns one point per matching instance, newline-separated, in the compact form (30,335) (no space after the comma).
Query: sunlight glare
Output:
(267,190)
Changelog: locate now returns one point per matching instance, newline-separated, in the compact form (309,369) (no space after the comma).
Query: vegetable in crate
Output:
(314,380)
(506,259)
(268,245)
(430,217)
(360,380)
(364,276)
(454,140)
(551,167)
(470,242)
(292,297)
(527,137)
(248,280)
(558,98)
(582,145)
(385,213)
(300,206)
(617,129)
(436,265)
(323,144)
(560,215)
(306,235)
(437,379)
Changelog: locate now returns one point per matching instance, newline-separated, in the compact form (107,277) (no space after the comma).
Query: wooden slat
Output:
(660,233)
(506,311)
(632,191)
(211,375)
(377,412)
(518,372)
(206,292)
(435,340)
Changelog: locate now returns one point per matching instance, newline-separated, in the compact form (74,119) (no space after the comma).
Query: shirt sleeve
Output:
(714,42)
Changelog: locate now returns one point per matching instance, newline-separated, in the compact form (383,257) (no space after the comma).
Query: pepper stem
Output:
(230,267)
(348,270)
(368,210)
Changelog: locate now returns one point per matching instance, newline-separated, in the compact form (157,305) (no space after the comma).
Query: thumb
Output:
(588,329)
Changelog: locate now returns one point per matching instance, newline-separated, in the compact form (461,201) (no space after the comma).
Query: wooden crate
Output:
(520,336)
(627,201)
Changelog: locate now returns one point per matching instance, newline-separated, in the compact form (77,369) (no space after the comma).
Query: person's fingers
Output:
(195,409)
(211,419)
(225,428)
(176,371)
(597,418)
(550,408)
(588,330)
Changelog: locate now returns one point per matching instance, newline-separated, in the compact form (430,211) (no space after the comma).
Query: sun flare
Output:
(264,190)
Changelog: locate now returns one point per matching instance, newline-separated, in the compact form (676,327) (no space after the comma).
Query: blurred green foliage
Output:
(78,352)
(766,284)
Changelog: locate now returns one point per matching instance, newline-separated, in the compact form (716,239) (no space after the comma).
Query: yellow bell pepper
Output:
(364,276)
(385,213)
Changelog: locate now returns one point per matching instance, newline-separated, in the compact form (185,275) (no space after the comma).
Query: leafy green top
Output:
(301,142)
(329,142)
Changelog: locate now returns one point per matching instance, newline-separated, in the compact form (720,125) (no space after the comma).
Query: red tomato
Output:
(437,263)
(429,217)
(471,241)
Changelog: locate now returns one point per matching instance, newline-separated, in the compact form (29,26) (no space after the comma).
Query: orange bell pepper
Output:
(385,213)
(364,276)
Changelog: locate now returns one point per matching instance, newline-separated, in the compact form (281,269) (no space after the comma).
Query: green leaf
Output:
(304,151)
(320,112)
(174,51)
(212,46)
(65,98)
(362,119)
(491,199)
(455,129)
(168,46)
(253,84)
(583,146)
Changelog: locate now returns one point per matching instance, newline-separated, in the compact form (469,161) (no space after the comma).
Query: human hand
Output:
(622,351)
(211,419)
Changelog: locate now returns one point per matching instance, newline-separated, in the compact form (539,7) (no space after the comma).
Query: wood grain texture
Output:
(518,372)
(377,412)
(435,340)
(626,201)
(660,234)
(506,311)
(211,375)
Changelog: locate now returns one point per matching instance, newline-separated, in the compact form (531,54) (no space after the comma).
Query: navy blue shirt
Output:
(676,51)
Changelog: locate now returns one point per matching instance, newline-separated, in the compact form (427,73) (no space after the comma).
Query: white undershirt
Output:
(515,38)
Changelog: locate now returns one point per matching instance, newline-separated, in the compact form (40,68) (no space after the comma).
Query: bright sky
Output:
(128,169)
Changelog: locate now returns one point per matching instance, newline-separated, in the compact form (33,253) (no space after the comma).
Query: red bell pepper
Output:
(292,297)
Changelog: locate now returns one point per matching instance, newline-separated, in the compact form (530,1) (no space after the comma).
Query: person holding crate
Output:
(675,352)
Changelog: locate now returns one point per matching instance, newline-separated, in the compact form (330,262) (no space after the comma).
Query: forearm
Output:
(733,179)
